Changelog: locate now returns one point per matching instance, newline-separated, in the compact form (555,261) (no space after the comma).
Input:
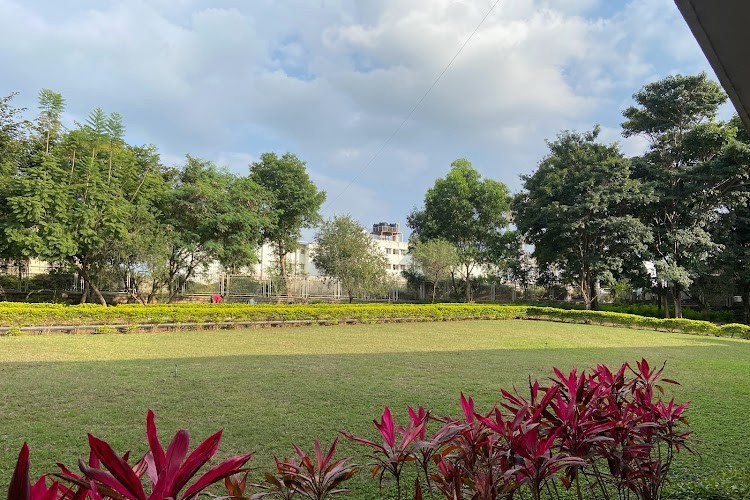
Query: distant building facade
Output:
(387,237)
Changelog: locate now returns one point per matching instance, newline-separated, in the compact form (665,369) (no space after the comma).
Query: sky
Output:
(332,80)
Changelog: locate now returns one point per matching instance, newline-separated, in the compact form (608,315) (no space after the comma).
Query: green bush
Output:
(44,314)
(735,330)
(54,280)
(620,319)
(91,314)
(653,311)
(8,283)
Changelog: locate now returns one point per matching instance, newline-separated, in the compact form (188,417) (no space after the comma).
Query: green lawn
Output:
(270,387)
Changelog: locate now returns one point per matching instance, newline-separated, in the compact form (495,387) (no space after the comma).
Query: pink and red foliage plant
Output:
(604,434)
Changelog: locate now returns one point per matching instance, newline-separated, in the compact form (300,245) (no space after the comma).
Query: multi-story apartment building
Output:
(387,237)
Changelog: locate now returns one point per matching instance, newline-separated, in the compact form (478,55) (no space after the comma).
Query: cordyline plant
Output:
(108,475)
(399,446)
(314,478)
(604,434)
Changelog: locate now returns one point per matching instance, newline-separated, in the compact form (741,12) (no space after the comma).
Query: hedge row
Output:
(689,326)
(14,314)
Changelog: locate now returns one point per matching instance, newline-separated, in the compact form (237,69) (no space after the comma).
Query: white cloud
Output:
(331,80)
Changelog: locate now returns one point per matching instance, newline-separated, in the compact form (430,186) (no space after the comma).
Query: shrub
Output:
(606,432)
(735,330)
(8,282)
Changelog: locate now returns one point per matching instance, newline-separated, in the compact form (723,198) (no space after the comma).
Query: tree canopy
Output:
(694,165)
(344,251)
(576,211)
(467,211)
(295,202)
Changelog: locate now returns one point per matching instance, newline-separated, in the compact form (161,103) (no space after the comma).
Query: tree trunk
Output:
(585,292)
(282,269)
(351,297)
(677,301)
(594,295)
(453,283)
(746,304)
(434,288)
(468,283)
(91,286)
(667,300)
(84,293)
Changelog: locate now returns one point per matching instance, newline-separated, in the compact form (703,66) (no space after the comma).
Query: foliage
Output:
(14,313)
(469,212)
(345,252)
(607,432)
(295,201)
(315,478)
(653,311)
(40,314)
(436,259)
(679,325)
(108,475)
(211,215)
(398,447)
(575,210)
(695,166)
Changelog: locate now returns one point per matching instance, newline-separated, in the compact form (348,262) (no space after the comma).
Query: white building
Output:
(387,237)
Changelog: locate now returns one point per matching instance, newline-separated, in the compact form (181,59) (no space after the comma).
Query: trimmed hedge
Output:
(689,326)
(14,314)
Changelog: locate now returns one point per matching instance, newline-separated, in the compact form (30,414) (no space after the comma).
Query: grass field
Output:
(270,387)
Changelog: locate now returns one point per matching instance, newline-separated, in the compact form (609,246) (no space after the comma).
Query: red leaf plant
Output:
(168,471)
(20,487)
(280,484)
(399,446)
(314,478)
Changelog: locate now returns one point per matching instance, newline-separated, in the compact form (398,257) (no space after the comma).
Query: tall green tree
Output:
(694,166)
(436,259)
(344,251)
(575,209)
(13,144)
(469,212)
(51,107)
(211,214)
(295,205)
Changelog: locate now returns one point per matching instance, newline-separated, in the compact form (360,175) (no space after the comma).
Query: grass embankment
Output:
(268,388)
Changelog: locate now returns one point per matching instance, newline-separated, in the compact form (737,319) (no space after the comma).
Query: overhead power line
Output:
(413,108)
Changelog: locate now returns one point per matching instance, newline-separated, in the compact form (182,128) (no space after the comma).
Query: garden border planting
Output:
(20,318)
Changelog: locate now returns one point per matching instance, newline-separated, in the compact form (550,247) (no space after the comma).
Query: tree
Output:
(694,166)
(436,259)
(63,211)
(575,209)
(51,106)
(13,142)
(467,211)
(295,203)
(211,214)
(344,251)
